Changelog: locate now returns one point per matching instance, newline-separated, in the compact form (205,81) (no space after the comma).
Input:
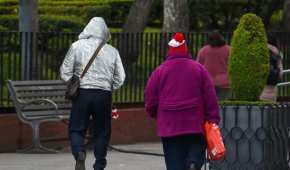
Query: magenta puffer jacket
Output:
(180,95)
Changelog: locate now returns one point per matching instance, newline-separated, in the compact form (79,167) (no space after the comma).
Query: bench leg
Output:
(36,147)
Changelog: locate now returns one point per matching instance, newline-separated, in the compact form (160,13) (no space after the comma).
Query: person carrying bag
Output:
(180,96)
(93,69)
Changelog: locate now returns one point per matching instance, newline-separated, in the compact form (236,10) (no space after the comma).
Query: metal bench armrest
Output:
(39,101)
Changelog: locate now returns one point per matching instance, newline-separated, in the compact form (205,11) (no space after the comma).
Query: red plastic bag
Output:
(115,113)
(215,145)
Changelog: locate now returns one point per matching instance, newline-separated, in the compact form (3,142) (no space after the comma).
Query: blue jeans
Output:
(181,151)
(95,103)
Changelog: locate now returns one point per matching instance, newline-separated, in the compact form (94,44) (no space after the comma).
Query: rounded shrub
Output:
(249,58)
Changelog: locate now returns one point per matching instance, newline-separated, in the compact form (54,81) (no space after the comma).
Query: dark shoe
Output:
(80,162)
(192,167)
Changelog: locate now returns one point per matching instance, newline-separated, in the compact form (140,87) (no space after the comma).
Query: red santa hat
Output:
(177,44)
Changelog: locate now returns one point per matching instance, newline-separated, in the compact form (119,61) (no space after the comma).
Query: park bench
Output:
(39,101)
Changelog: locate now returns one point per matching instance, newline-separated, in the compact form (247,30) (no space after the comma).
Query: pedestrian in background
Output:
(270,90)
(180,95)
(95,98)
(215,57)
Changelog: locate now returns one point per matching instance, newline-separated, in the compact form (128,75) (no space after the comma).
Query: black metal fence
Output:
(255,137)
(28,56)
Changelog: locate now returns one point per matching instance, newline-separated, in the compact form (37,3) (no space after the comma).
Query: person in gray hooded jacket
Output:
(104,75)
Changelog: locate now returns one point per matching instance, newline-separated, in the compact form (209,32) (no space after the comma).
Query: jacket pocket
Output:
(180,105)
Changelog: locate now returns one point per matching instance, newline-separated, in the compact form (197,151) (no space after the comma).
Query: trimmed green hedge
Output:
(74,14)
(103,11)
(249,58)
(8,10)
(60,23)
(118,13)
(82,3)
(66,2)
(71,3)
(3,28)
(9,21)
(84,13)
(8,2)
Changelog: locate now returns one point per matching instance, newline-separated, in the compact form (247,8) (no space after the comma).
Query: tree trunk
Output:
(286,17)
(28,22)
(136,22)
(28,16)
(176,16)
(138,16)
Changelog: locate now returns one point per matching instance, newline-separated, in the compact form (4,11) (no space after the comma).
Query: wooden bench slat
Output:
(45,107)
(57,100)
(20,89)
(37,82)
(46,114)
(41,94)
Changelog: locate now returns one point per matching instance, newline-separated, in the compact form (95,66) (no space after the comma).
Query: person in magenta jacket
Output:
(180,95)
(215,57)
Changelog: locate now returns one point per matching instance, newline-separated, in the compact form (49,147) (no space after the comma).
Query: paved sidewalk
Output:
(64,160)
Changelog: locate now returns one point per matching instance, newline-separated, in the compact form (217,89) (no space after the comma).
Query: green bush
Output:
(101,11)
(118,13)
(61,23)
(59,10)
(9,21)
(8,2)
(80,3)
(82,12)
(277,17)
(69,3)
(3,29)
(249,60)
(75,14)
(8,10)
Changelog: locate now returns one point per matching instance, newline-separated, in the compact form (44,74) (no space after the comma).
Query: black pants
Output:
(95,103)
(181,151)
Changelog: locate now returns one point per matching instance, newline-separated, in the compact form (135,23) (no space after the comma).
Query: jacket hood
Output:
(96,28)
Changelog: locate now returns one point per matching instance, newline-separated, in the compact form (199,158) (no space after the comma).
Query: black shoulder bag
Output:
(274,70)
(73,84)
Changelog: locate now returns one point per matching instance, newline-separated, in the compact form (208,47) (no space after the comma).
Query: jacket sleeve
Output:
(67,67)
(152,95)
(119,73)
(210,101)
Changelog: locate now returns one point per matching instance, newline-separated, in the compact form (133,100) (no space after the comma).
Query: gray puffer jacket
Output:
(106,72)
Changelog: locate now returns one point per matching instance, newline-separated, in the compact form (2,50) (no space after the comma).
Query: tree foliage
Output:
(286,16)
(225,14)
(203,14)
(249,58)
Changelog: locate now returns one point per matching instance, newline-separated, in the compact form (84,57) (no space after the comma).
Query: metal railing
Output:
(284,83)
(29,56)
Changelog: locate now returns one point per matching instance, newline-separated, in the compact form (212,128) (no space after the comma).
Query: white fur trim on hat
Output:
(174,43)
